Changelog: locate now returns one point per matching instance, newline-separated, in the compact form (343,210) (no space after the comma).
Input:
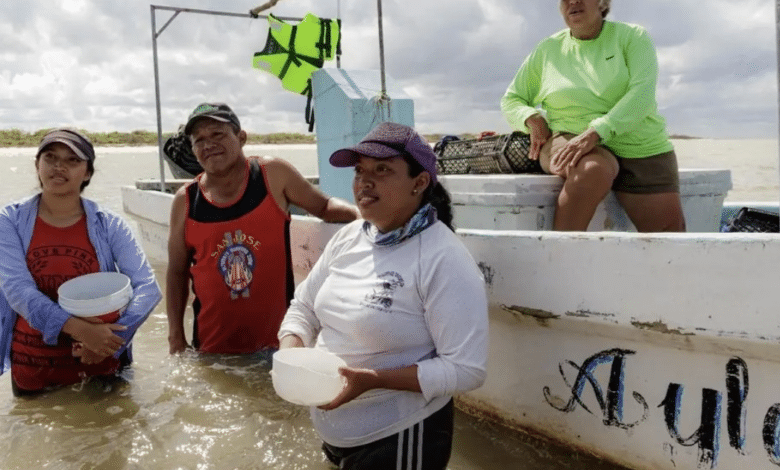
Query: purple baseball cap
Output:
(74,139)
(388,140)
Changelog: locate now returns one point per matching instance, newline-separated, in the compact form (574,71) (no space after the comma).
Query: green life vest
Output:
(293,52)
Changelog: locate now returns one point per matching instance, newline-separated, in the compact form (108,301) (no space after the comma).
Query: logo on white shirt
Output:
(381,297)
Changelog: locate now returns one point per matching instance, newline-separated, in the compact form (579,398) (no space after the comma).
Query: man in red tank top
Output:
(229,239)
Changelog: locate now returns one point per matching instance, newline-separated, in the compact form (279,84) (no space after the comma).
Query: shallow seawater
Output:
(201,412)
(194,411)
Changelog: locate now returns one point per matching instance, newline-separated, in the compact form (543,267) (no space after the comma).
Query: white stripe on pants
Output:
(411,448)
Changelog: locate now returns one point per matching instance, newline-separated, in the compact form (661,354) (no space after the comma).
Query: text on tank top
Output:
(55,255)
(240,267)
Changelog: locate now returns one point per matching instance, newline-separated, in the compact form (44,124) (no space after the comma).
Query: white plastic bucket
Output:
(101,294)
(307,376)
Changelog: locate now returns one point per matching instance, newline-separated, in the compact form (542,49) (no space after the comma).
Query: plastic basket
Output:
(754,220)
(507,153)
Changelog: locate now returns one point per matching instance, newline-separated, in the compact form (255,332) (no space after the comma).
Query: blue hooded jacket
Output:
(117,250)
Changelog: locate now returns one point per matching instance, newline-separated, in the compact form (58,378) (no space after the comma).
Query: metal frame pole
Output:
(338,16)
(382,49)
(157,99)
(156,34)
(777,47)
(384,99)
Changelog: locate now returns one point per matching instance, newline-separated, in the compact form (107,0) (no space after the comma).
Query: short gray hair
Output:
(605,4)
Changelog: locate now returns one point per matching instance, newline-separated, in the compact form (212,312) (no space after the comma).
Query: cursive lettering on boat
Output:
(707,437)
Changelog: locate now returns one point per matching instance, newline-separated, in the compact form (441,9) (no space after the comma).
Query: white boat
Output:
(653,351)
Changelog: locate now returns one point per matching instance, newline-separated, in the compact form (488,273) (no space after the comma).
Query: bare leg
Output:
(584,187)
(660,212)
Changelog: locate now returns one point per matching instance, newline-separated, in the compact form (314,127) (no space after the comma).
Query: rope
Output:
(255,11)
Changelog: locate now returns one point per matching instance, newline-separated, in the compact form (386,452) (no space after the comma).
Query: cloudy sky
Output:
(88,63)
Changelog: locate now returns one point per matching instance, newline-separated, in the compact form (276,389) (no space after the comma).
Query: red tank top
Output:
(55,255)
(241,269)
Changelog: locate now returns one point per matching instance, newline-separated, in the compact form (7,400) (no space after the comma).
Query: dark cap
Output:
(388,140)
(217,111)
(74,139)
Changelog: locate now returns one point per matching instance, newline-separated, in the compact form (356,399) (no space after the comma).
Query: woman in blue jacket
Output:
(47,239)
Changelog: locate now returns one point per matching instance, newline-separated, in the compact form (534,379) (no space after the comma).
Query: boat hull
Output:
(653,351)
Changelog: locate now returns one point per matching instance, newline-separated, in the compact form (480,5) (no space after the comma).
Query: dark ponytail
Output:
(435,194)
(439,198)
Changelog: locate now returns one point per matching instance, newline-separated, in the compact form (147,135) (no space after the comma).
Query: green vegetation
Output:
(433,138)
(282,138)
(18,138)
(682,136)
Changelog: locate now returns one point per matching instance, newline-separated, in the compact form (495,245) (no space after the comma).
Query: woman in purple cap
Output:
(401,300)
(47,239)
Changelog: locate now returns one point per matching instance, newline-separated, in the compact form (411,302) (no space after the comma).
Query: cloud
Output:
(89,63)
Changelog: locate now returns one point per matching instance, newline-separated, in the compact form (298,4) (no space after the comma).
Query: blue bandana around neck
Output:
(422,219)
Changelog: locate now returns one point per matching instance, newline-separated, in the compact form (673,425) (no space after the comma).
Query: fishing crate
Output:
(507,153)
(754,220)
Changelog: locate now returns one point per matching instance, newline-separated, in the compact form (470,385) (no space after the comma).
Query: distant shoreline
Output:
(683,137)
(18,138)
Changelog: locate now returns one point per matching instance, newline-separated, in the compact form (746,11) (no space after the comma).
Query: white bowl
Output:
(307,376)
(95,294)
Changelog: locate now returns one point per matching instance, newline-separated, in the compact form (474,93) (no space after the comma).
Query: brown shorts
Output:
(649,175)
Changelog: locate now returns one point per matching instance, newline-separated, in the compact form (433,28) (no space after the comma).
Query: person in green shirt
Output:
(586,96)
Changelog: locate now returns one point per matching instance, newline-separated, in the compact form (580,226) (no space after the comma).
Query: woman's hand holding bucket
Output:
(99,338)
(96,301)
(87,356)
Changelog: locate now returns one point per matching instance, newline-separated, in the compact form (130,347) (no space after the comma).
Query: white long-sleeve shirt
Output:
(420,302)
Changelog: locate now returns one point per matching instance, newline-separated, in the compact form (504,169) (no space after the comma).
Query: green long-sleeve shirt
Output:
(607,83)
